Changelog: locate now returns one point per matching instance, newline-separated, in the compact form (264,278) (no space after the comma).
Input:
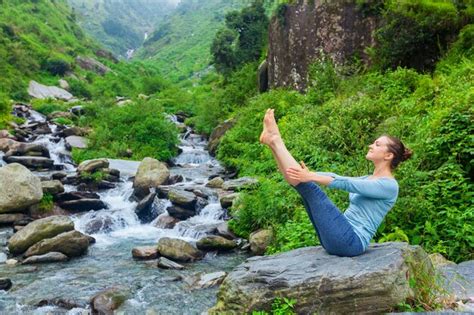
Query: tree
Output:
(242,39)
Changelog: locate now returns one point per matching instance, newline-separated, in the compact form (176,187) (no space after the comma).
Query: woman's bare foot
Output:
(270,132)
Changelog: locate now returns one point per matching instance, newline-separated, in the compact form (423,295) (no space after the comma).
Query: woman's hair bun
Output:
(407,154)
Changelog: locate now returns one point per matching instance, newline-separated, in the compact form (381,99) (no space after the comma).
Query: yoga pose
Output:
(371,197)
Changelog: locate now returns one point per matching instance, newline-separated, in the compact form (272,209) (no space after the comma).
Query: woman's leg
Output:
(271,137)
(335,232)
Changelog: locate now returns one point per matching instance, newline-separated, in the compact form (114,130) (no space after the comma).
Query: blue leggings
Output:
(335,233)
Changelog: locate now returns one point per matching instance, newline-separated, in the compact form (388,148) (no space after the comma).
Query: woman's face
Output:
(378,151)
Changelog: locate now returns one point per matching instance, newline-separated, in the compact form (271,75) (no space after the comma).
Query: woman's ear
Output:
(389,156)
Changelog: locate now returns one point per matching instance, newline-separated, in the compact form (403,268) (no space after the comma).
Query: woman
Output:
(371,197)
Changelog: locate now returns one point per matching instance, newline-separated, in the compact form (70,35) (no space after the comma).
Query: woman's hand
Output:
(300,174)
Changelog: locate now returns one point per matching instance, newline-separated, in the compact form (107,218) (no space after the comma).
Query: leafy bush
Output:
(423,30)
(47,106)
(5,109)
(56,66)
(140,126)
(46,203)
(242,39)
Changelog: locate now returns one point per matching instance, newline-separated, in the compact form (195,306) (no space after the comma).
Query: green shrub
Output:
(56,66)
(423,30)
(46,203)
(140,126)
(48,106)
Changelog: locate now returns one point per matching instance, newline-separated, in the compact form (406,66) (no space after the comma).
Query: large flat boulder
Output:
(71,244)
(182,198)
(150,173)
(371,283)
(177,249)
(19,188)
(37,231)
(31,162)
(41,91)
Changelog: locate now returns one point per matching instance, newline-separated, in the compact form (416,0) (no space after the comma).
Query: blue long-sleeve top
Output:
(370,200)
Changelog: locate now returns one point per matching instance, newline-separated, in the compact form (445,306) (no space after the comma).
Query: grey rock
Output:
(90,166)
(180,213)
(179,250)
(52,187)
(19,188)
(41,91)
(166,222)
(91,64)
(75,195)
(144,209)
(31,162)
(239,183)
(76,142)
(224,231)
(216,182)
(82,205)
(227,201)
(214,242)
(5,284)
(459,279)
(217,135)
(99,224)
(72,244)
(371,283)
(151,173)
(145,252)
(182,198)
(38,230)
(209,280)
(74,131)
(107,301)
(46,258)
(58,114)
(166,263)
(12,218)
(59,175)
(63,84)
(260,240)
(77,110)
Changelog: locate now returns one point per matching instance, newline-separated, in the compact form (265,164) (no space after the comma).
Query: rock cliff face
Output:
(299,33)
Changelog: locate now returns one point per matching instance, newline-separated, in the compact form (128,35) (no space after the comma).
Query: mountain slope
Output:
(34,37)
(180,45)
(120,25)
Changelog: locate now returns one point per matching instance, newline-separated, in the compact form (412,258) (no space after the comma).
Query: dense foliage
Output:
(242,39)
(139,127)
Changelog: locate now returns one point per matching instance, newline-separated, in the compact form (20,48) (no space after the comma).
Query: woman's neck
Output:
(382,171)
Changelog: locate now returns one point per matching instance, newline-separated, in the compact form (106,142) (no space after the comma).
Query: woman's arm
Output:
(372,188)
(304,175)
